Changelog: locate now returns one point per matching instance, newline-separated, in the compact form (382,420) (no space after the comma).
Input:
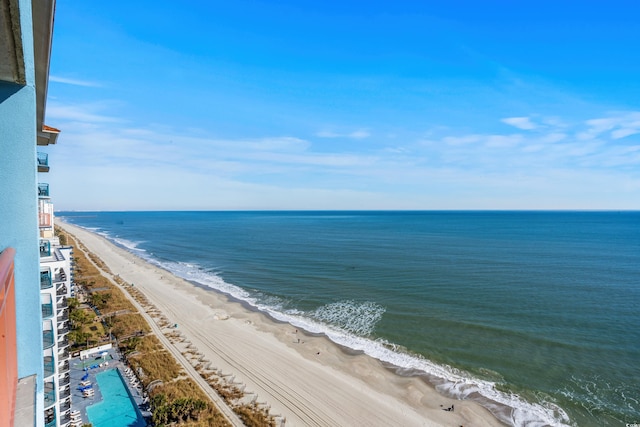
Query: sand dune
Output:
(309,383)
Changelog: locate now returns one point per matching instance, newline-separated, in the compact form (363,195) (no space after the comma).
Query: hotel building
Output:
(56,282)
(35,271)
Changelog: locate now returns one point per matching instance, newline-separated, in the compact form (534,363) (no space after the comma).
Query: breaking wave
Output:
(350,324)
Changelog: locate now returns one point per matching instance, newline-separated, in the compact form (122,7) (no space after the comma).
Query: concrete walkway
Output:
(222,406)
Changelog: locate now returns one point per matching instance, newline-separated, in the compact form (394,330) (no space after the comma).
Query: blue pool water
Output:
(116,408)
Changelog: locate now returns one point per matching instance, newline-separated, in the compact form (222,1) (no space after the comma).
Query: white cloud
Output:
(449,170)
(523,123)
(357,134)
(79,113)
(74,82)
(461,140)
(503,141)
(619,125)
(624,132)
(552,137)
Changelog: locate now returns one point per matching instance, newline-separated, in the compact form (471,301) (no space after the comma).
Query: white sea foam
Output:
(357,318)
(128,244)
(347,323)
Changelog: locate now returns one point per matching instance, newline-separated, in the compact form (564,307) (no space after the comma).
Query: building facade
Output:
(25,47)
(56,282)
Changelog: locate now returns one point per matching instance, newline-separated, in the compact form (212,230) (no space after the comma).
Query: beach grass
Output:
(130,329)
(174,395)
(258,367)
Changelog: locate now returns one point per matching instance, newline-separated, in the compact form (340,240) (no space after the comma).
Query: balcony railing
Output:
(43,190)
(63,315)
(47,310)
(43,162)
(49,416)
(65,406)
(45,248)
(45,280)
(49,366)
(63,343)
(65,393)
(63,354)
(64,367)
(61,291)
(65,380)
(61,276)
(63,329)
(49,394)
(47,339)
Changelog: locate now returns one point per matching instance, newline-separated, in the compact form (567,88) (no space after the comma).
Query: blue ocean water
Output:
(534,314)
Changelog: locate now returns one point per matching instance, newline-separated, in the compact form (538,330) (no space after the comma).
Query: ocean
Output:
(536,315)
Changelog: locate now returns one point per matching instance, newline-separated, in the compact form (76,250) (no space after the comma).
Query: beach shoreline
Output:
(303,377)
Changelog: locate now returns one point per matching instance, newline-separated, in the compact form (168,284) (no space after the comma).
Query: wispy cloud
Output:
(74,82)
(357,134)
(270,171)
(461,140)
(86,113)
(523,123)
(617,125)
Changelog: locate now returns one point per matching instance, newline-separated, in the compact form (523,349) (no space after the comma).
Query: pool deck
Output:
(76,368)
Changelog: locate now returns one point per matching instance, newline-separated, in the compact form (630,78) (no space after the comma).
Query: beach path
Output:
(308,383)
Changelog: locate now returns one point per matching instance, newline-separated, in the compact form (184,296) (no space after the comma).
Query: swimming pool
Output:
(117,408)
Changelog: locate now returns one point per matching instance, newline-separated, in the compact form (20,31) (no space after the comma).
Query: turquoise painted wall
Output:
(19,217)
(19,209)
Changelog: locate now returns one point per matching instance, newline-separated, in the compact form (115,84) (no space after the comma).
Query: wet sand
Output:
(308,380)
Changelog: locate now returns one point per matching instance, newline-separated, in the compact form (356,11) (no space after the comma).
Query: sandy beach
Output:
(307,380)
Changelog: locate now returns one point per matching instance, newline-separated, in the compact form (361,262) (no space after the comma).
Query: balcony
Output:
(47,339)
(64,380)
(43,190)
(63,343)
(66,392)
(47,306)
(63,328)
(61,302)
(49,415)
(49,366)
(61,291)
(61,276)
(63,354)
(45,248)
(63,367)
(63,315)
(49,394)
(65,406)
(47,310)
(43,162)
(65,419)
(45,279)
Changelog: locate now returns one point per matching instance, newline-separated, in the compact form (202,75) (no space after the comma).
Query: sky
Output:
(297,104)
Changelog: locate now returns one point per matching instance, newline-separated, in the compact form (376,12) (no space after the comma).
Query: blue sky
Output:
(345,105)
